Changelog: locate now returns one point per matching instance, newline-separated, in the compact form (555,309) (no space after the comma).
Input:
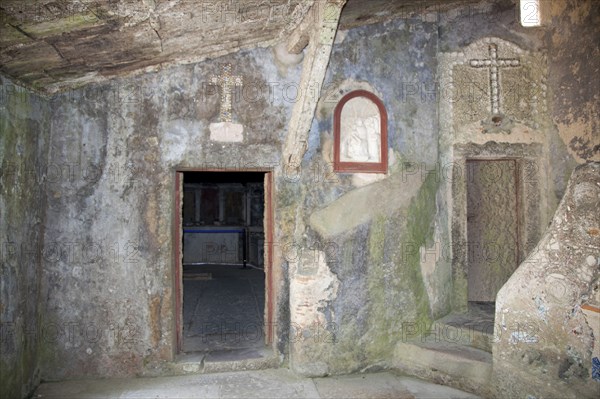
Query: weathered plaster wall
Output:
(544,340)
(568,36)
(556,360)
(24,127)
(499,20)
(367,254)
(110,286)
(572,38)
(369,228)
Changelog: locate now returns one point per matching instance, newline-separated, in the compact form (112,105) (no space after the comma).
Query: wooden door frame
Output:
(178,256)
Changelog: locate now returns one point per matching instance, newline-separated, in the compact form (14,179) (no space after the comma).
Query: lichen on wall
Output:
(24,125)
(398,297)
(374,227)
(420,229)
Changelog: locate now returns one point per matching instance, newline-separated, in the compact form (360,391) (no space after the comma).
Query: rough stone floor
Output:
(223,308)
(279,383)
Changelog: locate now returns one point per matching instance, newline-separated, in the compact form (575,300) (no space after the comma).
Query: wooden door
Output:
(492,226)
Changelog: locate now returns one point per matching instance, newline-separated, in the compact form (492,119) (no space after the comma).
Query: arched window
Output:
(360,134)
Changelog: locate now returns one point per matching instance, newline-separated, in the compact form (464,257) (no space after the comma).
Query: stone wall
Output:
(24,128)
(572,24)
(532,96)
(111,285)
(116,146)
(544,341)
(358,257)
(361,233)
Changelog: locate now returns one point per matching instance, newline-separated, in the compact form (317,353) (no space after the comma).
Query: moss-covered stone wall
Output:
(24,130)
(372,226)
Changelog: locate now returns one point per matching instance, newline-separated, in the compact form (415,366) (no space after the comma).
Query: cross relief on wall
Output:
(493,63)
(495,83)
(225,130)
(227,82)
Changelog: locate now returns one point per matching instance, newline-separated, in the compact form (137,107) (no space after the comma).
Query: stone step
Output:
(465,330)
(445,362)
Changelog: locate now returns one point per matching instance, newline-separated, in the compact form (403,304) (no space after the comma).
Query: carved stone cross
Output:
(227,81)
(494,64)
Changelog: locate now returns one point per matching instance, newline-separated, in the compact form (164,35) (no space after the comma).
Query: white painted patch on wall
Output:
(521,336)
(286,58)
(227,132)
(312,286)
(340,36)
(175,140)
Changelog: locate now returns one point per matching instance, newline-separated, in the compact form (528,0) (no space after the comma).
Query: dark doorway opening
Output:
(223,235)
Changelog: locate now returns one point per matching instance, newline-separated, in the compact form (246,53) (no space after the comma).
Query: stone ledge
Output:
(447,363)
(363,204)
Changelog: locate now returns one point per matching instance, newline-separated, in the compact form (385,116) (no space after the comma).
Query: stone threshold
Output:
(217,361)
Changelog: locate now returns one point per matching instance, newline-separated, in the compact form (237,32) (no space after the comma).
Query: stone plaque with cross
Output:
(496,83)
(225,130)
(227,82)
